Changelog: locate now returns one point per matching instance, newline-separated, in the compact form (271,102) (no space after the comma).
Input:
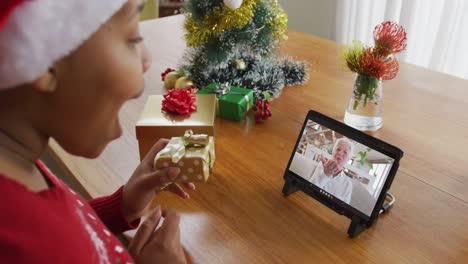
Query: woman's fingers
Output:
(168,233)
(333,167)
(323,160)
(158,146)
(144,232)
(327,168)
(189,185)
(177,189)
(170,227)
(330,167)
(160,178)
(164,246)
(169,175)
(190,259)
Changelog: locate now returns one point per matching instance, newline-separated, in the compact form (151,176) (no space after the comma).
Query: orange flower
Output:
(390,38)
(374,65)
(391,68)
(371,64)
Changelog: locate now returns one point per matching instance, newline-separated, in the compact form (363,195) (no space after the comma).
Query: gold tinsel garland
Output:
(199,33)
(279,21)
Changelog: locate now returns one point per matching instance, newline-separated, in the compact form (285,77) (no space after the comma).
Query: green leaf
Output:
(181,72)
(356,103)
(362,155)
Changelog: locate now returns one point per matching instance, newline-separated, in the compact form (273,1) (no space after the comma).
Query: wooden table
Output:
(240,216)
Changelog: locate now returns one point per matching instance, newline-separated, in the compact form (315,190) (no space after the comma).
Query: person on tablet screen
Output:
(329,174)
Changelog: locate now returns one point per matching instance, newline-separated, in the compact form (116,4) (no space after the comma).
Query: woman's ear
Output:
(47,82)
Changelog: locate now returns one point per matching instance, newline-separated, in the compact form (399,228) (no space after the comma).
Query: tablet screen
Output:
(340,166)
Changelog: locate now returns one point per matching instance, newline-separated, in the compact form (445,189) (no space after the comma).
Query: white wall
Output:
(315,17)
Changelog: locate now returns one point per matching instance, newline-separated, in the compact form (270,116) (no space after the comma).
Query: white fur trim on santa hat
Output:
(40,32)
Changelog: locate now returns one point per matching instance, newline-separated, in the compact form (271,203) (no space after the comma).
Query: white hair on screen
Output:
(347,142)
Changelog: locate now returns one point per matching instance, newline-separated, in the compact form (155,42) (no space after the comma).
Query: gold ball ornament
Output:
(233,4)
(170,80)
(183,82)
(240,64)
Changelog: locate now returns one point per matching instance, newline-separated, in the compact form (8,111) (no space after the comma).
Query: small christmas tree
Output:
(233,41)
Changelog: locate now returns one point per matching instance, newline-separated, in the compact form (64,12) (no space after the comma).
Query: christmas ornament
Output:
(164,73)
(183,82)
(233,4)
(170,80)
(240,64)
(179,101)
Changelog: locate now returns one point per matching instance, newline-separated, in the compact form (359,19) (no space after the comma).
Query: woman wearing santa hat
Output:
(66,69)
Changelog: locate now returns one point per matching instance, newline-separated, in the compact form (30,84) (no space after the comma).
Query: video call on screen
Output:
(344,168)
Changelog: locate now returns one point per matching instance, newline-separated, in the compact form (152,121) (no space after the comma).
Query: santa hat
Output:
(36,33)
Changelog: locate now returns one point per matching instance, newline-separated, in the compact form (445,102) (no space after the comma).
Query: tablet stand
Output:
(356,227)
(357,224)
(289,187)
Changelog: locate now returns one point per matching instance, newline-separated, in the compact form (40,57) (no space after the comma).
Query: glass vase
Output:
(364,111)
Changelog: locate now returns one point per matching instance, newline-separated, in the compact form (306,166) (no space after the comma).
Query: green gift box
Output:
(233,102)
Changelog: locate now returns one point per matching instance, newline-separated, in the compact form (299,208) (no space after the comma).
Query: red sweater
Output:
(57,226)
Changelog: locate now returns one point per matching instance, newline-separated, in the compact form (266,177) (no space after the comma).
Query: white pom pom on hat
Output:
(36,33)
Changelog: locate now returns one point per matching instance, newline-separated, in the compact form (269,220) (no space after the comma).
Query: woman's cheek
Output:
(129,78)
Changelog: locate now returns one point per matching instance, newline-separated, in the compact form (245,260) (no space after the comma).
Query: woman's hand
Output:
(146,182)
(161,245)
(330,167)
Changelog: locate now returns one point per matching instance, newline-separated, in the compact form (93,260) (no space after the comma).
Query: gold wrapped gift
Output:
(193,154)
(154,123)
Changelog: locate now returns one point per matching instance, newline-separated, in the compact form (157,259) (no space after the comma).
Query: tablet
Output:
(344,168)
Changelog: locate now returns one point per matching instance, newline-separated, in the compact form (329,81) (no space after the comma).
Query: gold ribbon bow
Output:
(177,150)
(191,140)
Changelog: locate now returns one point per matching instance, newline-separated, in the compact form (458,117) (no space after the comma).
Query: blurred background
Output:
(437,35)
